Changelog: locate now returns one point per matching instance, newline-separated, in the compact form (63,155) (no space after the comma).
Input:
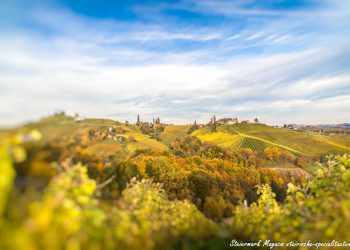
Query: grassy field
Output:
(143,141)
(170,133)
(218,138)
(105,149)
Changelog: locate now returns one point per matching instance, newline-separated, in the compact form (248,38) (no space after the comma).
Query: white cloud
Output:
(99,68)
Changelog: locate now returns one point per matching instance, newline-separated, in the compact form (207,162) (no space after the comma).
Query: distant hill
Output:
(340,125)
(100,137)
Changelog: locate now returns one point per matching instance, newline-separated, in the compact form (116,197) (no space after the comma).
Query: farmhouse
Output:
(78,118)
(245,121)
(232,121)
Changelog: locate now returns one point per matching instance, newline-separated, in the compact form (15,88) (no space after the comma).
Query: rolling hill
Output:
(93,135)
(128,138)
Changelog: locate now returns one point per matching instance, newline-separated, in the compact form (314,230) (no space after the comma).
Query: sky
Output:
(280,61)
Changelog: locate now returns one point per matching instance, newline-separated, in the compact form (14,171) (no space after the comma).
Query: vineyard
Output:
(259,137)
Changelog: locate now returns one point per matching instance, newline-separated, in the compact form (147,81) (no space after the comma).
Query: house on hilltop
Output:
(227,121)
(245,122)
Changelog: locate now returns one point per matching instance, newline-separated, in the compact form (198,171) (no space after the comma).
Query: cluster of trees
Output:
(278,155)
(191,146)
(213,178)
(153,129)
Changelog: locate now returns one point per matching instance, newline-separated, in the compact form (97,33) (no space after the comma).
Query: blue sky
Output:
(280,61)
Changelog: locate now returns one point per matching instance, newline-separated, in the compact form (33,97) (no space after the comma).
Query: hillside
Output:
(101,138)
(258,137)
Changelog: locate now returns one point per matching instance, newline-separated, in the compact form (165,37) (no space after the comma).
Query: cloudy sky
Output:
(280,61)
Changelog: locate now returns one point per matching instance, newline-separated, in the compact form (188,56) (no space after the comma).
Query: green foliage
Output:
(7,175)
(316,210)
(65,216)
(147,220)
(68,216)
(191,146)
